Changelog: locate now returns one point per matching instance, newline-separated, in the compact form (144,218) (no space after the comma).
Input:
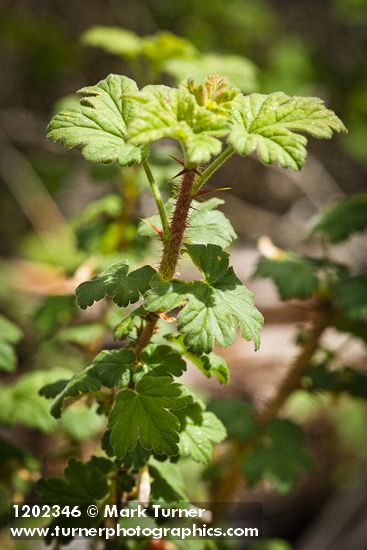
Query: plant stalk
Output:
(209,171)
(173,233)
(158,199)
(172,246)
(171,252)
(170,256)
(146,333)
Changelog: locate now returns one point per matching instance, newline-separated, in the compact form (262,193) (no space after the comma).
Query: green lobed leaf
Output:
(240,71)
(351,296)
(83,482)
(115,282)
(110,368)
(167,482)
(269,125)
(280,456)
(144,416)
(136,458)
(206,224)
(162,361)
(293,275)
(213,308)
(236,415)
(196,116)
(210,364)
(131,325)
(99,126)
(342,219)
(199,430)
(70,102)
(52,390)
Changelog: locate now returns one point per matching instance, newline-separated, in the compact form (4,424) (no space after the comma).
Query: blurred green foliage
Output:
(300,48)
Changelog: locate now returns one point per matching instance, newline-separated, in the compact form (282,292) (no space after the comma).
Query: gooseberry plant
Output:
(153,421)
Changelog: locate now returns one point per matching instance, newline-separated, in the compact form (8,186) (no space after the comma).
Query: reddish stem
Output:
(172,246)
(171,250)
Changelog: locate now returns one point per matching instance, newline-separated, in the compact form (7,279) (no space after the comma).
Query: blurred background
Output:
(306,47)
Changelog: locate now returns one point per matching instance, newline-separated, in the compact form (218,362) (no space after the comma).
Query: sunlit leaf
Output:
(100,125)
(196,116)
(270,125)
(212,308)
(199,431)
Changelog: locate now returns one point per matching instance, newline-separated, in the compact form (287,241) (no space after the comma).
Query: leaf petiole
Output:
(217,163)
(158,199)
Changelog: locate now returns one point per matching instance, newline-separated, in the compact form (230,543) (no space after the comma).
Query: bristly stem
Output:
(171,251)
(217,163)
(158,199)
(172,246)
(173,233)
